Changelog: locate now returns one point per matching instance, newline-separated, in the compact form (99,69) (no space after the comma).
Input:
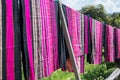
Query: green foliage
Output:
(98,12)
(61,75)
(96,72)
(92,72)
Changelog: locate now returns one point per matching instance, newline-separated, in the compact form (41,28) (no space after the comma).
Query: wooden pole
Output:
(68,41)
(114,75)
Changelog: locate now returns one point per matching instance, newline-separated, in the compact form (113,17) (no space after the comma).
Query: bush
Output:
(92,72)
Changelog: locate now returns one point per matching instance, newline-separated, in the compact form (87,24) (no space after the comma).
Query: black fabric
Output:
(104,39)
(89,55)
(61,44)
(4,40)
(23,41)
(117,60)
(17,55)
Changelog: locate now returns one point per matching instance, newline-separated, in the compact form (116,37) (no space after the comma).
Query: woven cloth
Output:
(110,49)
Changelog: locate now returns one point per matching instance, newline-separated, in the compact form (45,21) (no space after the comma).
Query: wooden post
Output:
(114,75)
(68,41)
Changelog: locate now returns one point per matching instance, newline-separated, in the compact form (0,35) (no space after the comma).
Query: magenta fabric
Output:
(9,41)
(75,32)
(79,41)
(29,39)
(49,36)
(110,51)
(117,40)
(98,42)
(72,29)
(86,34)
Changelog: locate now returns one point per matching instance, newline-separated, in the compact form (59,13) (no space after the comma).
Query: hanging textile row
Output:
(31,36)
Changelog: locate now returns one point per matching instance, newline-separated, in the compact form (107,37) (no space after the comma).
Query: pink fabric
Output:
(79,32)
(72,29)
(86,34)
(29,39)
(9,41)
(118,42)
(82,64)
(49,36)
(110,55)
(98,43)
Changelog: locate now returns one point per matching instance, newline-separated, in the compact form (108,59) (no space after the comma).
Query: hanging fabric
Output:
(27,39)
(44,18)
(110,49)
(76,32)
(62,48)
(89,55)
(10,41)
(86,34)
(80,40)
(93,40)
(98,42)
(117,43)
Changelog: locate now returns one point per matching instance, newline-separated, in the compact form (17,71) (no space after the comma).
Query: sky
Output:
(110,5)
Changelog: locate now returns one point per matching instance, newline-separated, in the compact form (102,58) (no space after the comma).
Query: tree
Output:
(98,12)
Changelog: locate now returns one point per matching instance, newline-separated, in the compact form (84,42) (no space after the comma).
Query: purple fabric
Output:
(98,43)
(110,51)
(74,29)
(10,41)
(86,34)
(80,60)
(117,41)
(49,36)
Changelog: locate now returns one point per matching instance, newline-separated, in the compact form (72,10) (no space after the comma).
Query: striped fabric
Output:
(98,42)
(10,57)
(89,55)
(110,51)
(76,32)
(80,40)
(117,44)
(45,37)
(27,35)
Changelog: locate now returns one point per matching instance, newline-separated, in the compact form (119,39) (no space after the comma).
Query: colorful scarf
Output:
(10,41)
